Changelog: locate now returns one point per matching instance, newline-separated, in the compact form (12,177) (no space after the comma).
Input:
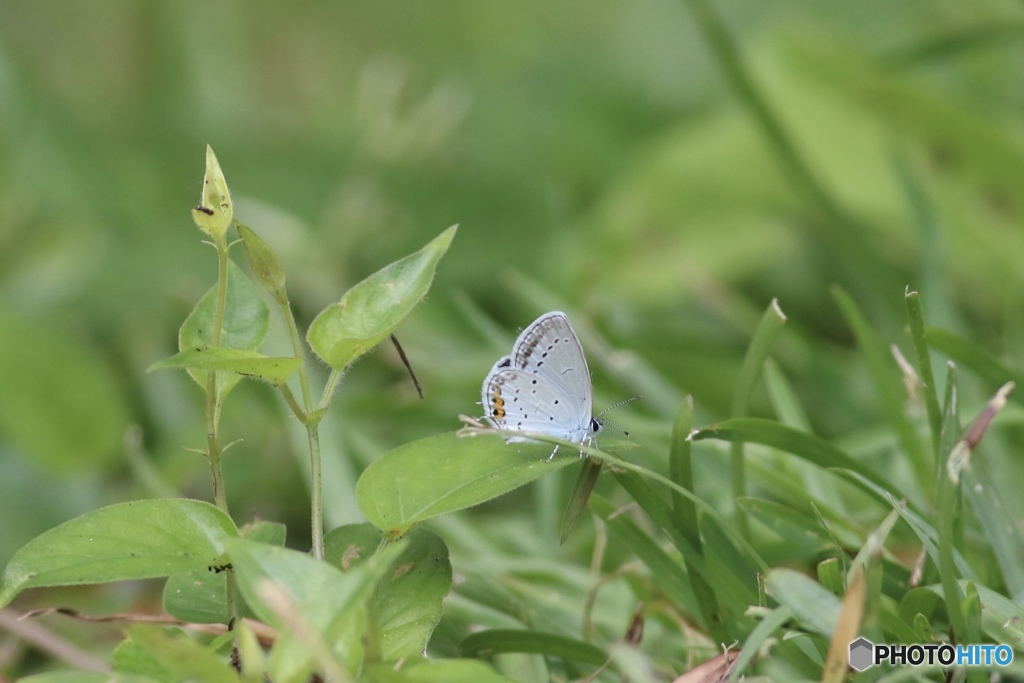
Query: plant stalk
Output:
(312,435)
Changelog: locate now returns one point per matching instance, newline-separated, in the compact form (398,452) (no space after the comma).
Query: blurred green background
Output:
(597,158)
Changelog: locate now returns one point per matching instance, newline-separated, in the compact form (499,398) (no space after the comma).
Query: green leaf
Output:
(581,490)
(891,394)
(752,645)
(915,319)
(497,641)
(264,264)
(425,671)
(245,324)
(140,540)
(326,600)
(407,604)
(802,534)
(274,370)
(59,403)
(445,473)
(812,604)
(172,658)
(200,596)
(370,311)
(807,446)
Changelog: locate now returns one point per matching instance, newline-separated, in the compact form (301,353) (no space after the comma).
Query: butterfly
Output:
(544,385)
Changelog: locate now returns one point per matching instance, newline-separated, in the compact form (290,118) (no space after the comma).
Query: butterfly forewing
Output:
(549,348)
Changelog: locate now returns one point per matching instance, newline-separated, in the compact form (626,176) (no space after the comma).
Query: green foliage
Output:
(370,311)
(139,540)
(444,473)
(825,160)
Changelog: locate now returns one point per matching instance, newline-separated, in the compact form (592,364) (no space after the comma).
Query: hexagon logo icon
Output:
(862,654)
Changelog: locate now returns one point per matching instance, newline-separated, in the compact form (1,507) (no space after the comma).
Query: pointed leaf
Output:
(444,473)
(254,364)
(140,540)
(496,641)
(264,264)
(214,213)
(807,446)
(372,309)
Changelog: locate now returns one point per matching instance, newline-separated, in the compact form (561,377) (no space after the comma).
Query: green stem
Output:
(332,385)
(213,451)
(312,435)
(316,491)
(212,400)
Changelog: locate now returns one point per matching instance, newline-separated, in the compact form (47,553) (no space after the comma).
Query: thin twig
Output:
(49,642)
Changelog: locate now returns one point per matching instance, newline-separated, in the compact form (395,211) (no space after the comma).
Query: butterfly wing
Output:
(549,348)
(544,386)
(518,400)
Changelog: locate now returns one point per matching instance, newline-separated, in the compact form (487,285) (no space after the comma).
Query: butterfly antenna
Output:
(611,407)
(620,403)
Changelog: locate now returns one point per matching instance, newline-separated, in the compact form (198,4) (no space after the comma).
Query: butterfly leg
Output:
(552,454)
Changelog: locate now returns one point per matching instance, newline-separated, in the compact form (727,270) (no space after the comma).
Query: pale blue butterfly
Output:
(544,385)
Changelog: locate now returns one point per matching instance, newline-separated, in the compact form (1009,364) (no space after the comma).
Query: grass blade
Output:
(764,336)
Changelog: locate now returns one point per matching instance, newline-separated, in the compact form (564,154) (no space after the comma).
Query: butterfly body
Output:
(544,385)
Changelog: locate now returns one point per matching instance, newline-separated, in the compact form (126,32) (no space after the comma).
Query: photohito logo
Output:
(864,654)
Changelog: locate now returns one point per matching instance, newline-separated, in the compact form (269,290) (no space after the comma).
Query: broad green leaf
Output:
(407,604)
(245,324)
(140,540)
(425,671)
(370,311)
(328,601)
(812,604)
(59,403)
(445,473)
(496,641)
(155,653)
(274,370)
(200,596)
